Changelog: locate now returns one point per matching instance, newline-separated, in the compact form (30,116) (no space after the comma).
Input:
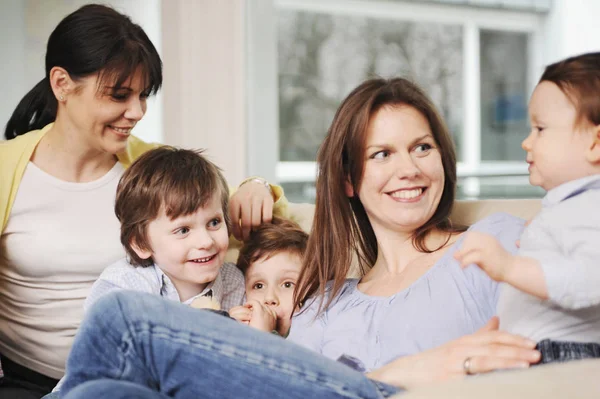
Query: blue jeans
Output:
(560,351)
(139,345)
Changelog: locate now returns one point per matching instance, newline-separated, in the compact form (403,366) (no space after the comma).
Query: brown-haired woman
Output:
(68,142)
(385,189)
(386,186)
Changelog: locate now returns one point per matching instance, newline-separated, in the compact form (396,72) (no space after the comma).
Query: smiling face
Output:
(556,147)
(104,116)
(272,281)
(189,249)
(403,178)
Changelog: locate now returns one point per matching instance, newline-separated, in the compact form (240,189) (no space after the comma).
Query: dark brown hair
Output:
(579,79)
(168,179)
(269,239)
(341,227)
(95,39)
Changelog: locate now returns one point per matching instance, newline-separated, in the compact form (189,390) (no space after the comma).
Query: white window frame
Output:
(263,114)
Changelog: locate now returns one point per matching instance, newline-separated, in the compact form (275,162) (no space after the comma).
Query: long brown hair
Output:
(341,227)
(579,79)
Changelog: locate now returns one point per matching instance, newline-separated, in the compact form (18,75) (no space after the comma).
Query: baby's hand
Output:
(486,252)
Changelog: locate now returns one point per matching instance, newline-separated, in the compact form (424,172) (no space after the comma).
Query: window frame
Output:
(263,116)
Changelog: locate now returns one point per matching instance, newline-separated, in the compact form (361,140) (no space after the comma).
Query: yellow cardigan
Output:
(16,153)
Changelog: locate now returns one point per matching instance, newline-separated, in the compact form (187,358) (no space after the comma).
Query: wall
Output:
(25,26)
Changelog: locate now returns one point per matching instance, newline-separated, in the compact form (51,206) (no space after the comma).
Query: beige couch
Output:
(570,380)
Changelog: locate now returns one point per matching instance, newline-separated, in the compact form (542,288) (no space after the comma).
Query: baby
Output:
(552,293)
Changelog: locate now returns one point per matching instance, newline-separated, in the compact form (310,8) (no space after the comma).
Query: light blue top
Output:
(445,303)
(565,240)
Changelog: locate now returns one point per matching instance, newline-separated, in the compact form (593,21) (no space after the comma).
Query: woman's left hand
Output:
(249,207)
(486,350)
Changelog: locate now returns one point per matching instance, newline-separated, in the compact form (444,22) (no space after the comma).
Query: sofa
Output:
(579,380)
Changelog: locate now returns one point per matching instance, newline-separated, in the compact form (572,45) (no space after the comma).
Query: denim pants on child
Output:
(559,351)
(133,345)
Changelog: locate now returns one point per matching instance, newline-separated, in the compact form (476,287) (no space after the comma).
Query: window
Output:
(475,63)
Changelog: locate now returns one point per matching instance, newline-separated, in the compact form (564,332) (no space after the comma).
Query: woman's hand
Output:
(486,350)
(250,206)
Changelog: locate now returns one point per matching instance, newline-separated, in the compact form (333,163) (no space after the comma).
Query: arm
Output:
(569,262)
(99,289)
(307,328)
(521,272)
(487,350)
(122,276)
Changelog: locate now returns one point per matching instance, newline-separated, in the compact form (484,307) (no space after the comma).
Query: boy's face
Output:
(189,249)
(272,281)
(556,147)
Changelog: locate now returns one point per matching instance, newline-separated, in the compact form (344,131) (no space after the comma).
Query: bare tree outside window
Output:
(323,57)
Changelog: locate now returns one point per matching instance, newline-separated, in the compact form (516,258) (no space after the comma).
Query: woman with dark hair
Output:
(385,189)
(68,142)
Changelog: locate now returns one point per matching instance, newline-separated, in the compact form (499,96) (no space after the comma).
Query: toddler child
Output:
(552,293)
(271,260)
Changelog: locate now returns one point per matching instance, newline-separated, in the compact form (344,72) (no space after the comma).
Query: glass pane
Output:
(323,57)
(501,188)
(489,188)
(504,95)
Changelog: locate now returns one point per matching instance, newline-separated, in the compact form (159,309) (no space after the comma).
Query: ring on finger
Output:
(467,366)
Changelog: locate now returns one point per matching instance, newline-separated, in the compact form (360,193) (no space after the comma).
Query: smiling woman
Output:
(68,142)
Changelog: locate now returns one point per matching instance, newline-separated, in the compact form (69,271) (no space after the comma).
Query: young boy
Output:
(173,208)
(552,293)
(271,260)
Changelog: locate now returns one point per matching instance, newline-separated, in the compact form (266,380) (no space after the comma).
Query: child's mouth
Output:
(203,260)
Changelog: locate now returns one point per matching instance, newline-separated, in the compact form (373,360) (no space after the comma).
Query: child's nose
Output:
(271,299)
(203,240)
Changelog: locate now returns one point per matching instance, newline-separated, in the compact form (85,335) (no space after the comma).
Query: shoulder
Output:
(12,149)
(582,207)
(135,148)
(123,274)
(498,222)
(230,273)
(348,287)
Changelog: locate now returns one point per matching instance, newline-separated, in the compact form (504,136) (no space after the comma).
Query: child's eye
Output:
(380,154)
(289,284)
(214,223)
(258,286)
(422,148)
(539,129)
(182,230)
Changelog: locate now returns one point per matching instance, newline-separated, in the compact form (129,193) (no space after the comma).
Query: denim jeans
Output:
(560,351)
(139,345)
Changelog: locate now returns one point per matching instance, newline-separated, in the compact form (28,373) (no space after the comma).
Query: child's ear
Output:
(593,153)
(141,252)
